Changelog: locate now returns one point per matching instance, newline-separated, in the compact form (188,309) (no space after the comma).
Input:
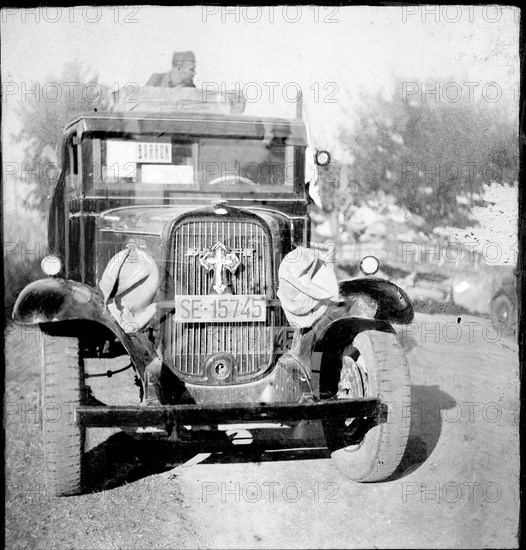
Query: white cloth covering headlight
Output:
(129,284)
(307,286)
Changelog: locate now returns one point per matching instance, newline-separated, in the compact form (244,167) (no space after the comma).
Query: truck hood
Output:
(143,220)
(153,220)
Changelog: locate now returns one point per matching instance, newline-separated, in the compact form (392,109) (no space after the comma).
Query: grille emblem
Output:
(219,258)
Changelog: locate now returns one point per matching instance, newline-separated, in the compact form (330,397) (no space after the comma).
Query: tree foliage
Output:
(43,116)
(433,157)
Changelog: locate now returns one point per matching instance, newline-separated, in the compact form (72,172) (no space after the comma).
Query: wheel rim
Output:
(353,377)
(353,384)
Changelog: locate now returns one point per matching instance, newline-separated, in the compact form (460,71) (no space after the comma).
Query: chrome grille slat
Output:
(185,333)
(247,342)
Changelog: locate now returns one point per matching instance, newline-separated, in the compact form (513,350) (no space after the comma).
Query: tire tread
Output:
(63,440)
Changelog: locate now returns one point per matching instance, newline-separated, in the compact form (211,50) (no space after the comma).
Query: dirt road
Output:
(457,486)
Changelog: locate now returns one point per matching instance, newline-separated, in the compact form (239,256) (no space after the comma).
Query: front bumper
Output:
(177,416)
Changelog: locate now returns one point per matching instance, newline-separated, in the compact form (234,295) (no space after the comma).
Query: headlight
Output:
(369,265)
(322,158)
(51,265)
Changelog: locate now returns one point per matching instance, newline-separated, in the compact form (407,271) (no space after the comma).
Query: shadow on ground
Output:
(427,404)
(123,459)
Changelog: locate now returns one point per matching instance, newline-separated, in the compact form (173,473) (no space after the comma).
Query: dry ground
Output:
(457,485)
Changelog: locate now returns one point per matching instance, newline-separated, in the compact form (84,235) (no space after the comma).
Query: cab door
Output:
(73,207)
(63,225)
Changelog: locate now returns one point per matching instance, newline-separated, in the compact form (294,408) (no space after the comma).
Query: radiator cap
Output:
(219,207)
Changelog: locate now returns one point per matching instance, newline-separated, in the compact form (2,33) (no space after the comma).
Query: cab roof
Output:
(192,111)
(197,124)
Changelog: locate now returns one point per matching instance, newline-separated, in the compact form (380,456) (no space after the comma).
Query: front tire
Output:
(373,365)
(62,388)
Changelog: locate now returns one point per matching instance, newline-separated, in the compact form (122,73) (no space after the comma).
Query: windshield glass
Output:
(159,164)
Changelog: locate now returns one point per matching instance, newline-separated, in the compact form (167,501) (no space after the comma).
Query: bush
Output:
(24,245)
(17,275)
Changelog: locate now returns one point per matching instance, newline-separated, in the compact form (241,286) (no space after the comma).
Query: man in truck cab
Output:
(181,75)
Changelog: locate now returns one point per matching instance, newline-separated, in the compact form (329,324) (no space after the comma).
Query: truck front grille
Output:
(251,343)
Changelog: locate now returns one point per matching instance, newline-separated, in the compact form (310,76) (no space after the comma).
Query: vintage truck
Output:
(180,236)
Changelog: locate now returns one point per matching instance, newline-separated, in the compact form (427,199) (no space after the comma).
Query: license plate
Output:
(220,309)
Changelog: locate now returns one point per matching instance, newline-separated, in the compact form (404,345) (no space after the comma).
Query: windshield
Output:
(160,164)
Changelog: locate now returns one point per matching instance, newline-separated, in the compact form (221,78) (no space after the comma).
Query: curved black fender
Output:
(57,300)
(54,300)
(392,303)
(369,303)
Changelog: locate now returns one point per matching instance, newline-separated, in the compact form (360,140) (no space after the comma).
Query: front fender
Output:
(54,299)
(393,303)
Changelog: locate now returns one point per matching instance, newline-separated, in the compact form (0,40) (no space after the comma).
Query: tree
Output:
(43,116)
(433,157)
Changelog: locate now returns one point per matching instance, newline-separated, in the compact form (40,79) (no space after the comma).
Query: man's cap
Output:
(181,57)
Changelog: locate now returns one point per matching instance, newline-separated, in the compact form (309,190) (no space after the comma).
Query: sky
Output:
(336,54)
